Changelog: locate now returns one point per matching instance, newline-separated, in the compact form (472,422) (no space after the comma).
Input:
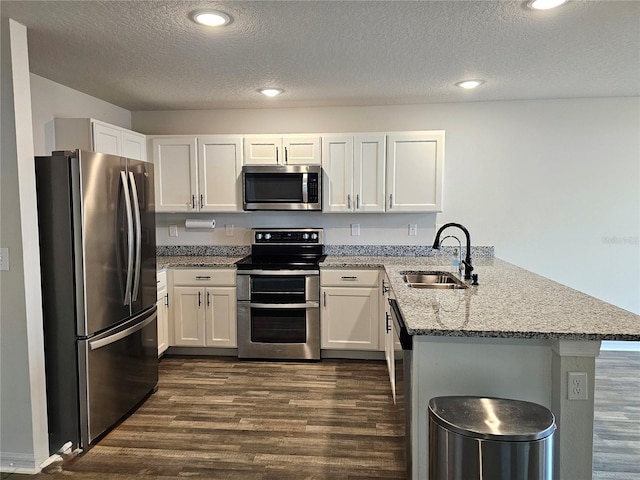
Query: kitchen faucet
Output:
(467,261)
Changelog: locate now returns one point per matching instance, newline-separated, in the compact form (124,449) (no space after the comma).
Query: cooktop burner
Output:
(284,249)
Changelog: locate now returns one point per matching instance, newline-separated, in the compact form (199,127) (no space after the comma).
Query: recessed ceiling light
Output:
(469,84)
(270,92)
(545,4)
(210,18)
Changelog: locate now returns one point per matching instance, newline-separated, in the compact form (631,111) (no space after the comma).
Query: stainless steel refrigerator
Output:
(98,259)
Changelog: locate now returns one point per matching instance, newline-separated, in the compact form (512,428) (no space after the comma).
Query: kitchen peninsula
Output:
(515,335)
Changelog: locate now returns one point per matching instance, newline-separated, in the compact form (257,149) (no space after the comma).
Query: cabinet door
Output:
(415,164)
(188,316)
(337,166)
(163,320)
(262,149)
(349,318)
(301,150)
(220,318)
(176,174)
(219,168)
(134,145)
(368,177)
(107,139)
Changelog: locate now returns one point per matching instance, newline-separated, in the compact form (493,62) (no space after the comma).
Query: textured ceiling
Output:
(148,55)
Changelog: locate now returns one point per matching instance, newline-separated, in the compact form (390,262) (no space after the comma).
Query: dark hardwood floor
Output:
(218,418)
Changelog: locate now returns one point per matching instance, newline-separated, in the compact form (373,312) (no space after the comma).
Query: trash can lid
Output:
(492,418)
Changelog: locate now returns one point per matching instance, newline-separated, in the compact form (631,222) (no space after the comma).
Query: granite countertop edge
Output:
(510,302)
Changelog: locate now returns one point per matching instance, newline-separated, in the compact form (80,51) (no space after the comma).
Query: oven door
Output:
(279,331)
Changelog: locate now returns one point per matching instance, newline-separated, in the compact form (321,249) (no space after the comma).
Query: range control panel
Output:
(287,236)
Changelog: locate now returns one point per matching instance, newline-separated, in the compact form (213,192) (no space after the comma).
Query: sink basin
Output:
(442,280)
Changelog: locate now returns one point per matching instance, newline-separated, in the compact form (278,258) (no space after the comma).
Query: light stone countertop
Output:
(208,261)
(509,302)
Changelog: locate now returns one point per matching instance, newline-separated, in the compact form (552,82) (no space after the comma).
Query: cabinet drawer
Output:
(204,276)
(349,277)
(161,279)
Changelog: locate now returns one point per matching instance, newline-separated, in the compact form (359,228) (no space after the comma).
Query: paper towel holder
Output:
(200,223)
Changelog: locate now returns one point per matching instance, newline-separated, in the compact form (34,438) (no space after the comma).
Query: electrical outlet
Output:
(4,258)
(355,229)
(173,230)
(413,229)
(228,230)
(577,385)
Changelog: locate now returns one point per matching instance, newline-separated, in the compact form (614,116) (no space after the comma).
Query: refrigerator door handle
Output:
(103,342)
(138,246)
(127,197)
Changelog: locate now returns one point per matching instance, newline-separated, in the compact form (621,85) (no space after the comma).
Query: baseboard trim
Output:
(11,462)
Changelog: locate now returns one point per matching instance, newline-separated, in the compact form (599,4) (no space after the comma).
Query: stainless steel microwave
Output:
(281,187)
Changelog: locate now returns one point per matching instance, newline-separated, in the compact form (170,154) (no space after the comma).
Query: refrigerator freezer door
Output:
(103,242)
(117,370)
(144,283)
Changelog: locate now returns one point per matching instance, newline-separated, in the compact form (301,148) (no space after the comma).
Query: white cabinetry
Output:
(163,312)
(354,168)
(197,174)
(282,150)
(388,332)
(349,317)
(204,307)
(415,171)
(97,136)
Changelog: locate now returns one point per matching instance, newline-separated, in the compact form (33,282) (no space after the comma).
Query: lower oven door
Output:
(279,331)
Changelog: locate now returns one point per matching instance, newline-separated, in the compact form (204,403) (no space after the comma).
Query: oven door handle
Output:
(284,306)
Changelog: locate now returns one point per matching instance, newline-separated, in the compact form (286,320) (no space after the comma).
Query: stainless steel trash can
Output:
(487,438)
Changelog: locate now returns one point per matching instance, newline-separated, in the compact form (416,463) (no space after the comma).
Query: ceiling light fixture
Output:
(270,92)
(545,4)
(210,18)
(470,84)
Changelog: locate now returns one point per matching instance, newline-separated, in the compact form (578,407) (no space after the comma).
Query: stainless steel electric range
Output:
(279,293)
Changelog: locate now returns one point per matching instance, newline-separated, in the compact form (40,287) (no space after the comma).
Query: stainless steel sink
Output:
(442,280)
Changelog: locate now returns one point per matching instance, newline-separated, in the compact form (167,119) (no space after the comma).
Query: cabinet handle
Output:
(349,278)
(166,300)
(201,200)
(277,159)
(358,201)
(193,202)
(390,201)
(324,299)
(349,201)
(203,277)
(199,299)
(385,288)
(387,316)
(286,156)
(208,303)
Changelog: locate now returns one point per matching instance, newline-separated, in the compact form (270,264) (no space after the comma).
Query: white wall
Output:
(51,100)
(23,435)
(554,185)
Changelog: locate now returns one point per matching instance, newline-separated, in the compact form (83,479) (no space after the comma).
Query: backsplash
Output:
(338,250)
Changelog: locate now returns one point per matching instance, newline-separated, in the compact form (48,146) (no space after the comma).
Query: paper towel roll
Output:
(199,223)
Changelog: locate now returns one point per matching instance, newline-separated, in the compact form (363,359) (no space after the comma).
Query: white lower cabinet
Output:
(163,312)
(388,332)
(349,315)
(204,308)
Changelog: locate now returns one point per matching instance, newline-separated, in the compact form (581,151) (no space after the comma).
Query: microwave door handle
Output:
(305,188)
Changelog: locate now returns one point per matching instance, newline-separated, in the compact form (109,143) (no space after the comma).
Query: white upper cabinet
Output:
(354,172)
(415,171)
(176,174)
(281,150)
(198,174)
(219,173)
(97,136)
